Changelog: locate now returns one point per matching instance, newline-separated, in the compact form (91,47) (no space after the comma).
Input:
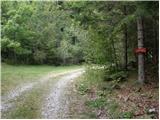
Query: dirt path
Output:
(7,101)
(56,104)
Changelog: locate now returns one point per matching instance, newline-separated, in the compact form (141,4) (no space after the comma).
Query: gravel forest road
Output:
(55,104)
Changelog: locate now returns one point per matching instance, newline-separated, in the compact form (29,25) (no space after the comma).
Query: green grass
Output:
(28,106)
(13,75)
(97,103)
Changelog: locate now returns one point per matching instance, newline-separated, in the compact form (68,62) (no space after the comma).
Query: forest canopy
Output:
(59,32)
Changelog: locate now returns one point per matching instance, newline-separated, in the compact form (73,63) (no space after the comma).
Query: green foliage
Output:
(39,56)
(94,74)
(127,115)
(97,103)
(119,76)
(82,88)
(40,33)
(9,44)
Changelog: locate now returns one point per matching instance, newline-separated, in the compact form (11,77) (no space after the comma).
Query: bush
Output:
(120,76)
(82,88)
(126,115)
(39,56)
(94,75)
(98,103)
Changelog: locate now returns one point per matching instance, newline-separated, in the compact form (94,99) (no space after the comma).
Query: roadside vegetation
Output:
(119,97)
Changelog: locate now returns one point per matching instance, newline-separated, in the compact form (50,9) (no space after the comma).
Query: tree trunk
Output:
(125,42)
(156,44)
(114,52)
(141,75)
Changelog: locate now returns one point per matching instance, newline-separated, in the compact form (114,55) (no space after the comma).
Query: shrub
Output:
(98,103)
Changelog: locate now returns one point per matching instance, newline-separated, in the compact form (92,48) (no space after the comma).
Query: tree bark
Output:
(114,52)
(156,44)
(141,75)
(125,42)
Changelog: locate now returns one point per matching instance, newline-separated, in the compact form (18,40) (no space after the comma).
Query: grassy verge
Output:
(111,99)
(29,105)
(12,75)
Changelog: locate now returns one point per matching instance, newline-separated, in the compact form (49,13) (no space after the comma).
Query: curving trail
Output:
(56,104)
(56,101)
(7,101)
